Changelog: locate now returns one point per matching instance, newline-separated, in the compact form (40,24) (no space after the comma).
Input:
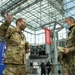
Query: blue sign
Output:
(2,53)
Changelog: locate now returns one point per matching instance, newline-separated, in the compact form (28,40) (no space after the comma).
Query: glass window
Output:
(62,34)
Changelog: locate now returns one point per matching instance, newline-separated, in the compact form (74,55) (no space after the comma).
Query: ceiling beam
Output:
(61,11)
(70,9)
(43,26)
(10,5)
(47,24)
(17,5)
(20,10)
(60,2)
(60,28)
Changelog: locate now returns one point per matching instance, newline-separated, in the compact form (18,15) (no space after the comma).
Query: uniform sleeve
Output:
(8,33)
(72,48)
(4,28)
(60,56)
(27,46)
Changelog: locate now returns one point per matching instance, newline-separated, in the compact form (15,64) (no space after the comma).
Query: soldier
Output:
(17,46)
(62,60)
(70,46)
(69,52)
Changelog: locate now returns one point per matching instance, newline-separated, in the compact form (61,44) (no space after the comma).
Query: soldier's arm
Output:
(4,28)
(60,56)
(72,48)
(27,47)
(8,33)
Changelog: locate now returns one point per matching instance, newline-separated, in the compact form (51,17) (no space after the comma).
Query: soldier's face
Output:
(23,24)
(68,21)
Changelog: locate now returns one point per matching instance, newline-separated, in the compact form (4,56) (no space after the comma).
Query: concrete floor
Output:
(39,73)
(46,74)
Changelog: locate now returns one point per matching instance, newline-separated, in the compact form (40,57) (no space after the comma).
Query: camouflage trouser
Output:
(71,69)
(15,70)
(65,69)
(68,69)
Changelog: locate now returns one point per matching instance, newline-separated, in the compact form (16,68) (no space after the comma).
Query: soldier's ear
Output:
(19,22)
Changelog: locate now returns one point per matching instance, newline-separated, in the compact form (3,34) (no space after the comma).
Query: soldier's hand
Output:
(9,17)
(66,50)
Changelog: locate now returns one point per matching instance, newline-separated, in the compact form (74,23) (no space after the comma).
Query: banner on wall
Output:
(47,36)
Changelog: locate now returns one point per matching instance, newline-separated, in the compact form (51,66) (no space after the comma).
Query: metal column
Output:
(55,48)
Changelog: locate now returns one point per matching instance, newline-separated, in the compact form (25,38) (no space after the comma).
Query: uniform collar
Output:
(71,27)
(18,31)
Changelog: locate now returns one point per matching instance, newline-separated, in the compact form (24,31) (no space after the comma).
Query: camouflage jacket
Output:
(70,57)
(71,40)
(16,42)
(71,45)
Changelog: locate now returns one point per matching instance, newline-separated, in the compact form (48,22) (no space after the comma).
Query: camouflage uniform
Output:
(68,60)
(15,53)
(71,55)
(62,58)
